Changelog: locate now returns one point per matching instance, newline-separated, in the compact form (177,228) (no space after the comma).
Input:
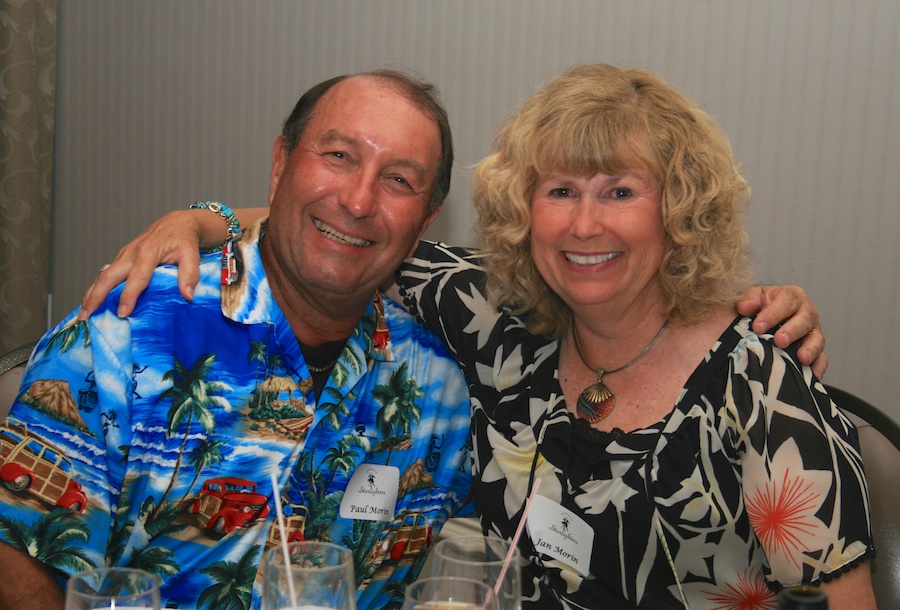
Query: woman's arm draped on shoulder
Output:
(773,305)
(442,286)
(176,238)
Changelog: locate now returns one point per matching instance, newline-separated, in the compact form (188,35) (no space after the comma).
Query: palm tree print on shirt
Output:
(193,399)
(399,410)
(49,540)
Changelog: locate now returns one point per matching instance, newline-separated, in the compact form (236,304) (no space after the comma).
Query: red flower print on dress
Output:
(749,593)
(782,514)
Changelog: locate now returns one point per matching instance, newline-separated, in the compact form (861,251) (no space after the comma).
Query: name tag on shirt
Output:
(560,534)
(371,494)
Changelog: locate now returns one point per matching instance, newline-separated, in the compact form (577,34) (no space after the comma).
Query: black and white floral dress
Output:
(752,482)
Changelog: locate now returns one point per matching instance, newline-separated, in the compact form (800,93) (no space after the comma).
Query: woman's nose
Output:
(587,220)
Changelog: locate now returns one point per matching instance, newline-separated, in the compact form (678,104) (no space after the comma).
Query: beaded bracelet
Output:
(226,213)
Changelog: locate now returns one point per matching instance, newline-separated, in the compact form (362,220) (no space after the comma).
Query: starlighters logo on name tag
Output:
(559,534)
(371,494)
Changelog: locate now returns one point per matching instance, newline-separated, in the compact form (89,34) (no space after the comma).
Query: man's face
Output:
(350,202)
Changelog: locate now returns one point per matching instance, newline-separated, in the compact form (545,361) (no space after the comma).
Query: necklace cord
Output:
(600,371)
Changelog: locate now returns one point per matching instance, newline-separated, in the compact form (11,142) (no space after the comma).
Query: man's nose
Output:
(360,198)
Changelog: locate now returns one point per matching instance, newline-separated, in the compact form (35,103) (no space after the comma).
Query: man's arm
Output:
(26,583)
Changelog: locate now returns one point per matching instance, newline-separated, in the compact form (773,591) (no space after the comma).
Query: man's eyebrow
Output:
(337,136)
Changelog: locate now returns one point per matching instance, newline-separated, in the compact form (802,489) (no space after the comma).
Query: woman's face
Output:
(598,240)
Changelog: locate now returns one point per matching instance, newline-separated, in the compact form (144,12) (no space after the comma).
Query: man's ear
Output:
(279,161)
(432,216)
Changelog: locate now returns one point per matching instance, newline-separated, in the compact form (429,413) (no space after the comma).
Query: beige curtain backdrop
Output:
(27,84)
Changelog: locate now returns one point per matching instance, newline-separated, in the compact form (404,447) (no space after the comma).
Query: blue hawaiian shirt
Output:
(151,441)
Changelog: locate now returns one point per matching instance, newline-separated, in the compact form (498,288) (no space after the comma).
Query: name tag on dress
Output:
(560,534)
(371,494)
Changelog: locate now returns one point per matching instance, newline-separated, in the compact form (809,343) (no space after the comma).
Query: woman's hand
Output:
(773,305)
(174,238)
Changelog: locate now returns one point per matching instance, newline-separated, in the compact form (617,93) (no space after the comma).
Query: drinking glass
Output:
(447,593)
(120,588)
(319,575)
(480,558)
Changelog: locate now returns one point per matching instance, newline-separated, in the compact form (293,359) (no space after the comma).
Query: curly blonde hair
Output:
(598,118)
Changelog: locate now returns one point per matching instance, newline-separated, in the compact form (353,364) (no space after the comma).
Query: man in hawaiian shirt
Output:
(150,441)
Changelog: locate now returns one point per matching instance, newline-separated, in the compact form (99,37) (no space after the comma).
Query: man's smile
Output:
(337,236)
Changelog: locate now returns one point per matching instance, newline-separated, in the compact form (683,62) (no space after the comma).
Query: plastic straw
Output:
(515,541)
(284,543)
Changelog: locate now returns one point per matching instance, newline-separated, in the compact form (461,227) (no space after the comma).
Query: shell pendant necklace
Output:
(597,401)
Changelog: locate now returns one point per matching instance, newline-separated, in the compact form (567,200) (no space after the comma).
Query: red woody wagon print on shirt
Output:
(30,463)
(227,503)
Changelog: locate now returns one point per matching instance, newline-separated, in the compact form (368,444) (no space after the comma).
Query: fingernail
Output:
(121,311)
(763,326)
(190,293)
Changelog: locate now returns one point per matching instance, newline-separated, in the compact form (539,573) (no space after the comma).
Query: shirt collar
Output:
(247,297)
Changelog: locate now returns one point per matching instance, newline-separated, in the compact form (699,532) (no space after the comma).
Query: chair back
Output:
(879,441)
(12,365)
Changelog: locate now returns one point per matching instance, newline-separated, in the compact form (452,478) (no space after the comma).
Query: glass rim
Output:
(274,555)
(430,578)
(448,542)
(424,581)
(318,543)
(122,569)
(85,583)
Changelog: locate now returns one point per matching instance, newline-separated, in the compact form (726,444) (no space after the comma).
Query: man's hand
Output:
(791,305)
(173,239)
